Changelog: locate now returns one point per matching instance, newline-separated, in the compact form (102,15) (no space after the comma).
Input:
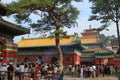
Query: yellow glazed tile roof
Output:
(101,50)
(43,42)
(89,40)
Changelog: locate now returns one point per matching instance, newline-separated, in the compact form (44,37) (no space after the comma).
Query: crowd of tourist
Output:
(91,71)
(38,70)
(30,71)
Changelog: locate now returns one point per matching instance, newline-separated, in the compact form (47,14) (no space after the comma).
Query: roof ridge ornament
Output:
(76,38)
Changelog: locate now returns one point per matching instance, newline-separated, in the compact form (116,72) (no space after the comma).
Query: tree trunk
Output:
(60,55)
(117,25)
(118,35)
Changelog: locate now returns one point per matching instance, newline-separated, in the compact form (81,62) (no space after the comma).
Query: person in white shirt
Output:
(94,72)
(91,69)
(73,71)
(22,70)
(112,69)
(55,70)
(45,68)
(3,71)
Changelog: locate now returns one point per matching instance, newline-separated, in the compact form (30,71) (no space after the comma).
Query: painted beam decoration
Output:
(104,55)
(10,47)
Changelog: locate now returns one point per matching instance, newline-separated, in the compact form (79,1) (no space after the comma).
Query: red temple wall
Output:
(97,61)
(68,59)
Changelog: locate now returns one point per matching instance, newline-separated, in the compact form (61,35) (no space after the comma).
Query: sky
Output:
(83,23)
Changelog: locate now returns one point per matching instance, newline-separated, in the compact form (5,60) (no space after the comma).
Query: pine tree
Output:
(106,11)
(53,15)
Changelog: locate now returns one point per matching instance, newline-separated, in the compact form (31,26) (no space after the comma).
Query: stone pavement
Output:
(98,78)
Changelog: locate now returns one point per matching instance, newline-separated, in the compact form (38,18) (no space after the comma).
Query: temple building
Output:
(91,39)
(87,49)
(95,52)
(75,49)
(45,48)
(7,32)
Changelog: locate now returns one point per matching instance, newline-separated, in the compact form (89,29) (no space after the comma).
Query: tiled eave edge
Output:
(14,26)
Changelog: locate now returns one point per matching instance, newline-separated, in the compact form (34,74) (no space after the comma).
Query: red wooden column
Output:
(76,59)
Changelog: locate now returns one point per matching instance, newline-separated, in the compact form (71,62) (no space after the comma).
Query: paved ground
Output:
(74,78)
(98,78)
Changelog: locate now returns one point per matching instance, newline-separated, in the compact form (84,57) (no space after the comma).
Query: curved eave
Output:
(3,5)
(104,55)
(107,56)
(91,43)
(13,27)
(3,9)
(78,53)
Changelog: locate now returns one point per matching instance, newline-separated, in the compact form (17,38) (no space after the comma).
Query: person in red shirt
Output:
(38,67)
(38,71)
(5,61)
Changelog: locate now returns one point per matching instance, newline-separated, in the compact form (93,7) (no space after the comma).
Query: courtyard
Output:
(98,78)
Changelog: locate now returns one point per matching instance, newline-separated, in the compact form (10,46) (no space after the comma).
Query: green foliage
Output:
(105,11)
(22,6)
(62,33)
(109,40)
(53,14)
